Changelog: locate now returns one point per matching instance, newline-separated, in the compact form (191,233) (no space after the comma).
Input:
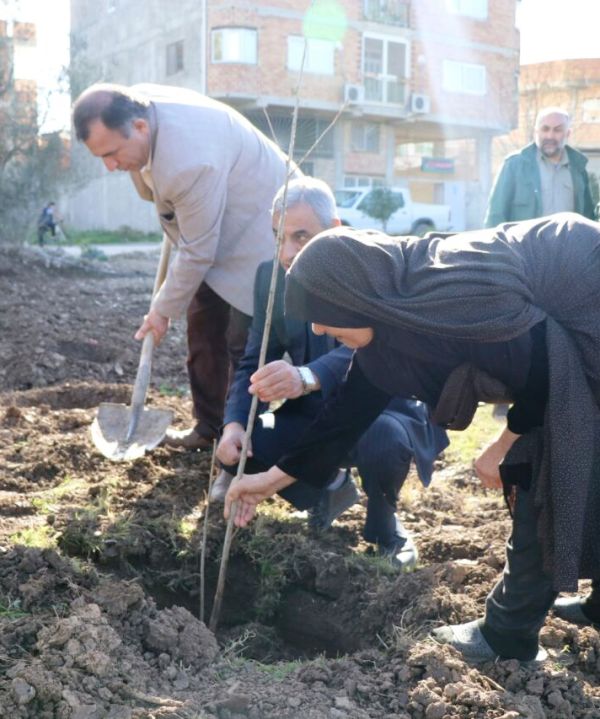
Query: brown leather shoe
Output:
(187,439)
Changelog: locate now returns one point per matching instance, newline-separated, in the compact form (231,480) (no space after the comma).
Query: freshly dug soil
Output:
(100,561)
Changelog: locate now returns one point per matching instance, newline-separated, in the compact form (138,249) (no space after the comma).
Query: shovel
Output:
(124,433)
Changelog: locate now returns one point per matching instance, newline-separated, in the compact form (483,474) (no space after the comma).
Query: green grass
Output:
(105,237)
(169,390)
(465,446)
(43,537)
(87,238)
(11,610)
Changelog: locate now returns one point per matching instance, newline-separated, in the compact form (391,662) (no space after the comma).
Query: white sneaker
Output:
(220,486)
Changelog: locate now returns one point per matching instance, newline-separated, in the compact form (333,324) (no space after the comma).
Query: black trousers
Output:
(516,608)
(382,456)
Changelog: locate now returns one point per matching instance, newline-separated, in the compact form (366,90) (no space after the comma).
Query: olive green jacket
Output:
(517,191)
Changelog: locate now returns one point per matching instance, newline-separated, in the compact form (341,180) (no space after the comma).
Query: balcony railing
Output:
(385,90)
(388,12)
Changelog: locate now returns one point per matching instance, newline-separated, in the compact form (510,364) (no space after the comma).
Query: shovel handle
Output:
(142,378)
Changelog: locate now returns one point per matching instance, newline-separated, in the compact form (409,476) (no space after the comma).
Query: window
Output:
(311,132)
(364,137)
(477,9)
(174,57)
(464,77)
(234,44)
(389,12)
(360,181)
(384,70)
(320,55)
(415,149)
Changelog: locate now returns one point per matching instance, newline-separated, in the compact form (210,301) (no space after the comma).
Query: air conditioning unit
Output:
(354,94)
(419,104)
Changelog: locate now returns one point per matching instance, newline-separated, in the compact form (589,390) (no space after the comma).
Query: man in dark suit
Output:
(315,369)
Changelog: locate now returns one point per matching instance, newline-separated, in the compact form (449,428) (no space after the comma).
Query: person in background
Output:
(545,177)
(400,433)
(212,176)
(46,223)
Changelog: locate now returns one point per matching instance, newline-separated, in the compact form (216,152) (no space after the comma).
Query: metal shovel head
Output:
(110,428)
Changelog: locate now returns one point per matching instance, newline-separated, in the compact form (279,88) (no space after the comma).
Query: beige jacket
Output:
(214,177)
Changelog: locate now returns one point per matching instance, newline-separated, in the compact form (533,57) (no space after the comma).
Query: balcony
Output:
(387,12)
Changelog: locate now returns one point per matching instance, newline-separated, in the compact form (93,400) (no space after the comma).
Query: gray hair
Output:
(545,111)
(315,193)
(114,105)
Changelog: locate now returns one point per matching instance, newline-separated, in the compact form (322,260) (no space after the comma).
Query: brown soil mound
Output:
(99,566)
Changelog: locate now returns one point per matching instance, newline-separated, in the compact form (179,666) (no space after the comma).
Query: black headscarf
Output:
(489,286)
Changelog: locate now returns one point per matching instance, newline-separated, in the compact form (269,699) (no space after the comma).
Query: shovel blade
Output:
(109,431)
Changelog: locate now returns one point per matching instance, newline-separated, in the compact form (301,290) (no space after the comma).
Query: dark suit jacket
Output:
(328,362)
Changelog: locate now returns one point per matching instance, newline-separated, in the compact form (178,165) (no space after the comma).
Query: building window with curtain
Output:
(234,45)
(385,67)
(364,137)
(464,77)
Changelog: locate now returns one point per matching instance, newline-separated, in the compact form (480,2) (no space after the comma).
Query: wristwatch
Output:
(308,379)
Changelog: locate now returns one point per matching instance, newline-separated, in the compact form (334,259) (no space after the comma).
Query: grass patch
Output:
(169,390)
(11,610)
(106,237)
(47,502)
(43,537)
(381,566)
(276,561)
(465,446)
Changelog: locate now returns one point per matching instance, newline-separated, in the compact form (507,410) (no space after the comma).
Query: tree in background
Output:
(380,204)
(30,165)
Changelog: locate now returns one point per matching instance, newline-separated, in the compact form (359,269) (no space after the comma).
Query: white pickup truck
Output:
(409,218)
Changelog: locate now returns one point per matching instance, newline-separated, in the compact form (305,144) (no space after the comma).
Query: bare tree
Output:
(30,164)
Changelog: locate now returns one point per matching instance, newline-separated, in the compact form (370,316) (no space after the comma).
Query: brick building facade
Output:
(410,79)
(571,84)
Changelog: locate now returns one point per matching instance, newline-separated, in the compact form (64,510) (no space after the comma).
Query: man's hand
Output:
(487,465)
(153,322)
(276,381)
(229,448)
(250,490)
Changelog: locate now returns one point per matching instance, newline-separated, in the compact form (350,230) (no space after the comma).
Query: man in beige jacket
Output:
(212,176)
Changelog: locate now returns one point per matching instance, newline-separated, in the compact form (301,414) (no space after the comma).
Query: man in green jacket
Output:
(545,177)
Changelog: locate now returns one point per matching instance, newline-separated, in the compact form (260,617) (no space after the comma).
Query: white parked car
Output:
(408,217)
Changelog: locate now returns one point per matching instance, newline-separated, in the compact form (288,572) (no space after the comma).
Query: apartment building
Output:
(408,92)
(18,87)
(571,84)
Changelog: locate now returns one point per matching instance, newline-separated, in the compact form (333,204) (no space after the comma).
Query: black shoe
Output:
(401,552)
(332,504)
(470,642)
(571,610)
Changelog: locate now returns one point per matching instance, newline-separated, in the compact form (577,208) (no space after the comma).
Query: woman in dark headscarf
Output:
(511,312)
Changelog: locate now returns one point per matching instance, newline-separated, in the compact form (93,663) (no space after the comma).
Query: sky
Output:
(550,30)
(553,30)
(45,65)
